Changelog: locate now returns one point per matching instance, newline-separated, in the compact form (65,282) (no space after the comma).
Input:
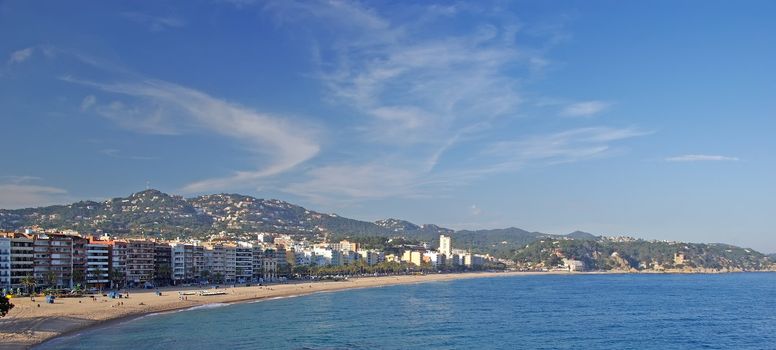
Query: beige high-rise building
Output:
(446,245)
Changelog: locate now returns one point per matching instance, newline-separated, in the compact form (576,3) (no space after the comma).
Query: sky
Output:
(647,119)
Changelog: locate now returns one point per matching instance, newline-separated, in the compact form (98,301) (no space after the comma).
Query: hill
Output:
(637,254)
(152,213)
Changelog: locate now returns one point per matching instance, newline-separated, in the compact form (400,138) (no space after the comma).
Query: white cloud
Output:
(88,102)
(347,182)
(155,23)
(701,158)
(166,108)
(562,147)
(585,109)
(420,87)
(21,55)
(17,192)
(425,93)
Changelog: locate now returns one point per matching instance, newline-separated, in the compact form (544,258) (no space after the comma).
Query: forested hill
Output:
(152,213)
(628,254)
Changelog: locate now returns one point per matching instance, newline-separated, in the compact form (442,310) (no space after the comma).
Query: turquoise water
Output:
(730,311)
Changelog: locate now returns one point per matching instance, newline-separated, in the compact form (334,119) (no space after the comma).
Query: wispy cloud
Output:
(348,182)
(21,55)
(20,192)
(115,153)
(421,90)
(563,147)
(585,109)
(424,93)
(88,102)
(701,158)
(155,23)
(167,108)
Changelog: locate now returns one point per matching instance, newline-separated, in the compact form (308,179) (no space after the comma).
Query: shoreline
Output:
(30,325)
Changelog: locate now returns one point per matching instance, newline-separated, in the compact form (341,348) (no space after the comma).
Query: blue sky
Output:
(651,119)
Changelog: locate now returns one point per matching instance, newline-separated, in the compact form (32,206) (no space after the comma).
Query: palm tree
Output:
(116,277)
(29,283)
(51,279)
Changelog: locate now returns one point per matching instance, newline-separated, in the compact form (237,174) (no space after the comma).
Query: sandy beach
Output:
(29,324)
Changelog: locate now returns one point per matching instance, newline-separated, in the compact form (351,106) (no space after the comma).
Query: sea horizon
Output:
(630,295)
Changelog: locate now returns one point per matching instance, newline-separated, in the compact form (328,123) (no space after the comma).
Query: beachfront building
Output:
(435,259)
(118,265)
(454,260)
(188,262)
(197,262)
(445,245)
(412,257)
(372,257)
(162,264)
(473,260)
(244,262)
(97,265)
(22,257)
(265,264)
(230,263)
(140,261)
(5,263)
(269,267)
(214,262)
(178,262)
(220,262)
(573,265)
(79,259)
(53,260)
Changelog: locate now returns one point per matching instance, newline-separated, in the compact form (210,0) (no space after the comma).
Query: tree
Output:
(78,277)
(29,283)
(163,274)
(5,305)
(51,279)
(218,277)
(117,278)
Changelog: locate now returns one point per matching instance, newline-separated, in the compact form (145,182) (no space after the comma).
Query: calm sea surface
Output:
(729,311)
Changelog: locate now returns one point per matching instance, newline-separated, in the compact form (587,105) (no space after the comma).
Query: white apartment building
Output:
(178,261)
(22,258)
(244,262)
(5,263)
(436,259)
(97,265)
(445,245)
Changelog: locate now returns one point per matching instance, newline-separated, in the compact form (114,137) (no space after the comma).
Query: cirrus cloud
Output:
(701,158)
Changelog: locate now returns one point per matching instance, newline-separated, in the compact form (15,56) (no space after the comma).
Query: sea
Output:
(579,311)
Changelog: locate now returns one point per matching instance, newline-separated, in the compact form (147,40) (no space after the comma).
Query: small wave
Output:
(208,306)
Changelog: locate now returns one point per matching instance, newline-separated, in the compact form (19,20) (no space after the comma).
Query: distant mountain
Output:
(582,235)
(397,225)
